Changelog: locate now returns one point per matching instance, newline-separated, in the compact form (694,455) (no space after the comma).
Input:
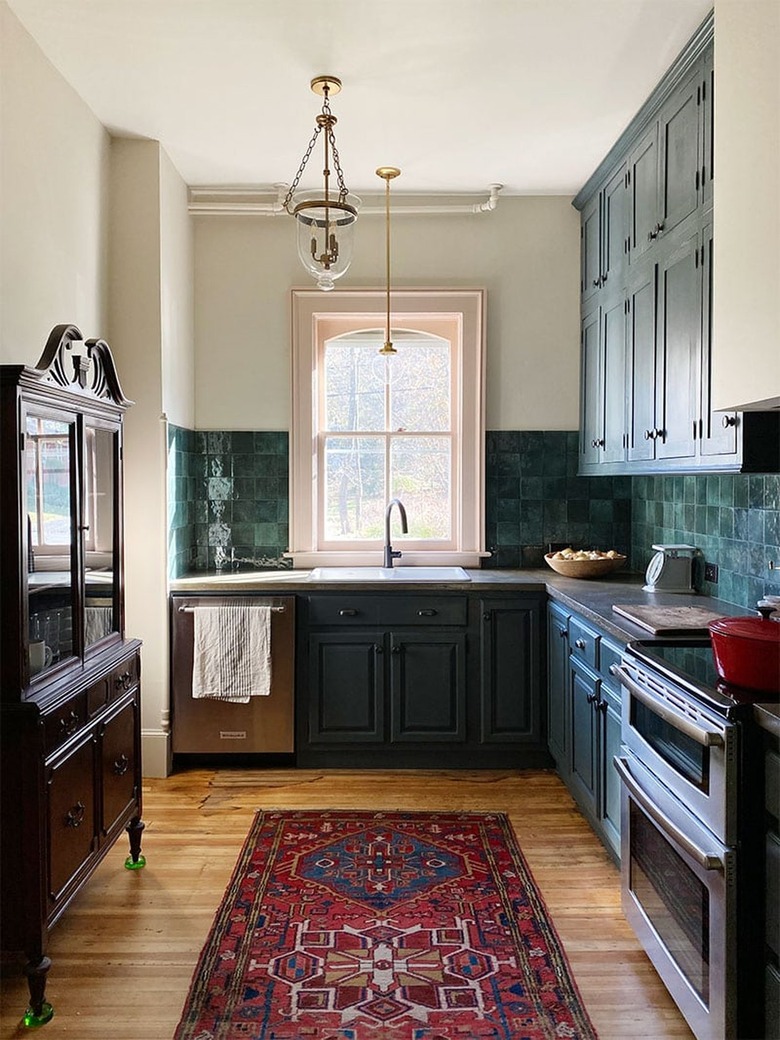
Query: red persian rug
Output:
(344,925)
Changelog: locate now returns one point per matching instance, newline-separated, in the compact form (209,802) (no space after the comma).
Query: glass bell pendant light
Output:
(325,217)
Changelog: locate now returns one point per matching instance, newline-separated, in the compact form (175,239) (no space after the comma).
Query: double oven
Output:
(690,833)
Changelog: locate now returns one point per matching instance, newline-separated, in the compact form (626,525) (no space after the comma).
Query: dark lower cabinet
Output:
(558,686)
(406,680)
(583,712)
(346,687)
(427,687)
(772,886)
(510,674)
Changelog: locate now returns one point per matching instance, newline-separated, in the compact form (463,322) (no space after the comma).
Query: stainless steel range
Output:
(691,854)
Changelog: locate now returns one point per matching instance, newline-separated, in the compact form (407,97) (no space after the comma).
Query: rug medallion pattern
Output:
(382,926)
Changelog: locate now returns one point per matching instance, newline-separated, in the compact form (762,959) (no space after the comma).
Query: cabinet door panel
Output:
(590,247)
(641,360)
(428,683)
(613,363)
(118,766)
(346,687)
(677,352)
(557,687)
(610,781)
(584,737)
(614,223)
(717,437)
(680,130)
(511,674)
(643,193)
(71,815)
(591,394)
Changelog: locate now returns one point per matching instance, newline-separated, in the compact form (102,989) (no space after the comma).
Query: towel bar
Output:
(258,606)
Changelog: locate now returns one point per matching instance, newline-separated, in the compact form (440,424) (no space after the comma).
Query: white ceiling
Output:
(460,94)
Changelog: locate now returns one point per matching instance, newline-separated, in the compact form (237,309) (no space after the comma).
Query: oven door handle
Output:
(704,859)
(701,734)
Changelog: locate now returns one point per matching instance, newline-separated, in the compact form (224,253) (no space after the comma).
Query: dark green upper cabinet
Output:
(643,194)
(647,216)
(681,135)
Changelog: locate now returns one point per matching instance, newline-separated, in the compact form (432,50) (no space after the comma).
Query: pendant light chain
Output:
(328,120)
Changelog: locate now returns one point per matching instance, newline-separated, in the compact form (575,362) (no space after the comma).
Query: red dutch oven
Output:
(747,652)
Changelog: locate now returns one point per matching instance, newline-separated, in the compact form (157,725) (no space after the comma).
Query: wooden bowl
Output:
(585,568)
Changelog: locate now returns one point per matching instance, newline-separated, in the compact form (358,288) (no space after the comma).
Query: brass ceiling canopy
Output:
(325,218)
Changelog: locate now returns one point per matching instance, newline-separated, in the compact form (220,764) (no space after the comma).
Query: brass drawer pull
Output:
(75,817)
(69,724)
(120,765)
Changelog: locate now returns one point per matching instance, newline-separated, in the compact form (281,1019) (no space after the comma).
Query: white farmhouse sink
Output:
(394,574)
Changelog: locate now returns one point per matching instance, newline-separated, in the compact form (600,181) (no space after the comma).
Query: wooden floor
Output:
(124,953)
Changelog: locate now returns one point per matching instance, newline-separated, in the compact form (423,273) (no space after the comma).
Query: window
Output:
(367,428)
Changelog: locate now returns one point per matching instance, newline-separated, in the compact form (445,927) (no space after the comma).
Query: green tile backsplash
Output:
(228,492)
(534,497)
(733,519)
(227,495)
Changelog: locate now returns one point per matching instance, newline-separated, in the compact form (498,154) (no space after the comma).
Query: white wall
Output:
(54,159)
(526,253)
(176,305)
(746,267)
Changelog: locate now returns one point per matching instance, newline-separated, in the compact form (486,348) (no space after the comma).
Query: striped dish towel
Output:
(232,652)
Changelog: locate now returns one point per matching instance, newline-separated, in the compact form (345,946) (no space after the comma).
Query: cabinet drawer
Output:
(772,784)
(349,609)
(124,677)
(583,642)
(66,719)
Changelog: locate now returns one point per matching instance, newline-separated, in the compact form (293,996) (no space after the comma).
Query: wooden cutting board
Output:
(667,619)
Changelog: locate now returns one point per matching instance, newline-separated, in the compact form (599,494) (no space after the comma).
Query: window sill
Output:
(417,558)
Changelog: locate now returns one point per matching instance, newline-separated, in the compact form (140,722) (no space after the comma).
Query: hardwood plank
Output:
(124,953)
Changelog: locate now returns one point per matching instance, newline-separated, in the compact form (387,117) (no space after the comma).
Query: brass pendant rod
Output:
(387,173)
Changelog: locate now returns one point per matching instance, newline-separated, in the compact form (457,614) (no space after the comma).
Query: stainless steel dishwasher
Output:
(209,726)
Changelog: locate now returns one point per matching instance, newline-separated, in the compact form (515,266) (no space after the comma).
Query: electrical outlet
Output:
(711,573)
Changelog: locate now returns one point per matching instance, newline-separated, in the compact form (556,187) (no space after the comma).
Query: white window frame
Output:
(459,314)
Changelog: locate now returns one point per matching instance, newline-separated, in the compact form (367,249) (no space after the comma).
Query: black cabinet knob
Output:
(378,648)
(396,649)
(120,765)
(729,420)
(487,616)
(580,644)
(602,707)
(591,698)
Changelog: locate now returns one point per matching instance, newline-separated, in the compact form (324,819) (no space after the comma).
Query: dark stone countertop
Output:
(592,599)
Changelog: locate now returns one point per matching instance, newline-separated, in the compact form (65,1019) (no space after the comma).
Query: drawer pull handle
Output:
(602,707)
(378,648)
(580,644)
(69,724)
(427,613)
(123,681)
(591,698)
(120,765)
(75,816)
(348,612)
(396,649)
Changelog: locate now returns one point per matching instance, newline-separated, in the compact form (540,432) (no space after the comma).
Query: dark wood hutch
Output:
(70,767)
